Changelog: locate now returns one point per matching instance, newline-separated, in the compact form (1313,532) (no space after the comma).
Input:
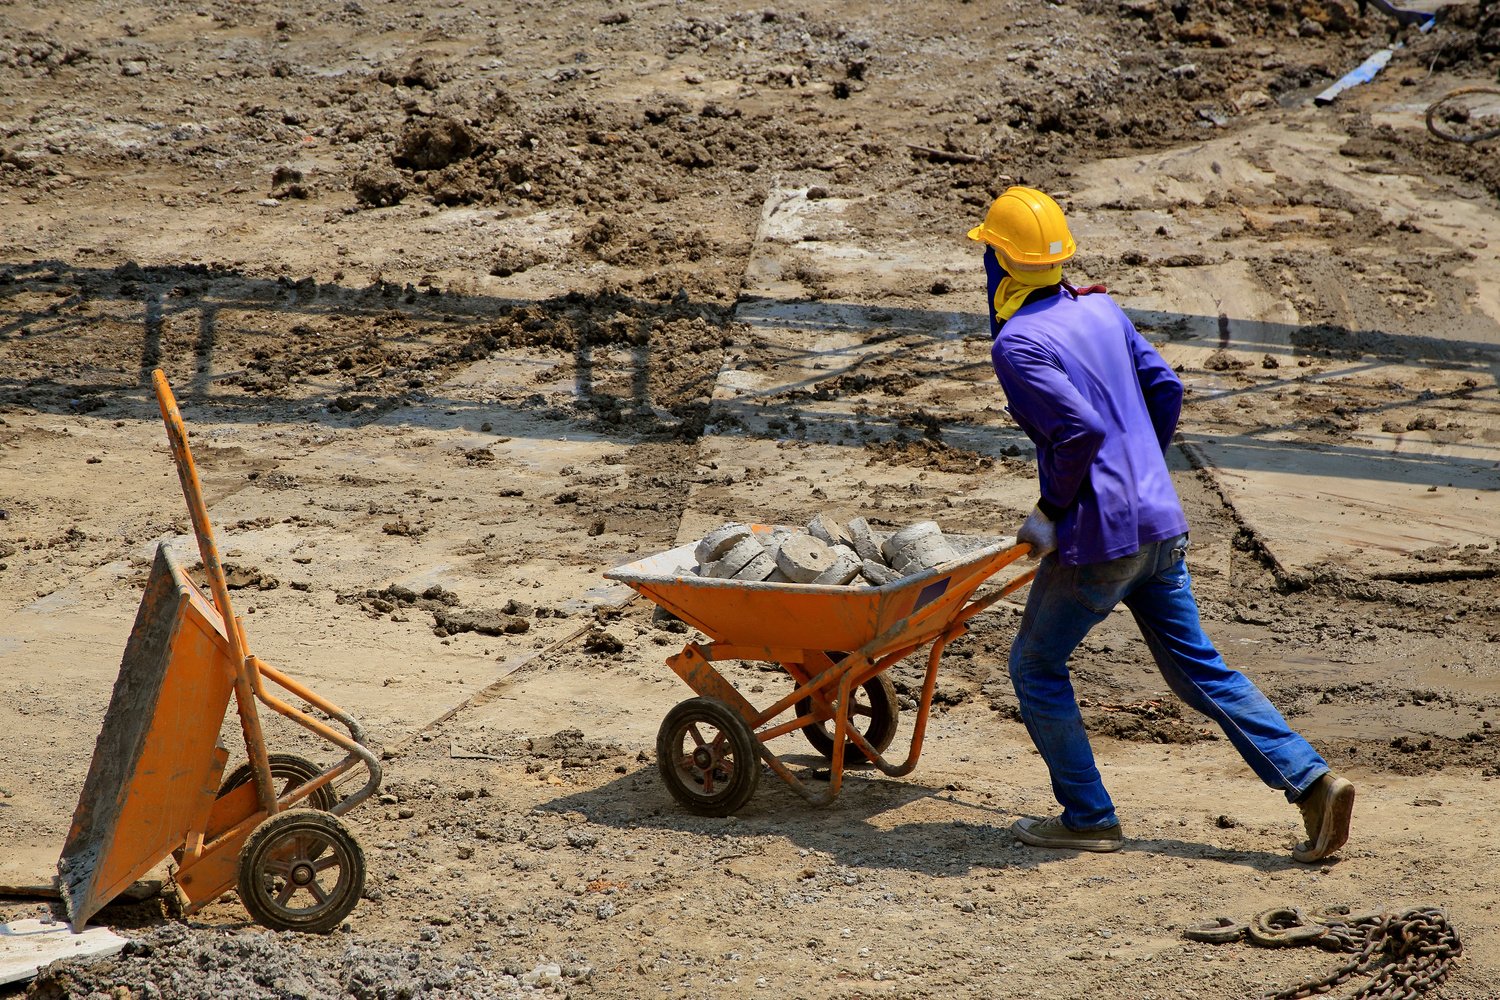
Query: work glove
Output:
(1039,532)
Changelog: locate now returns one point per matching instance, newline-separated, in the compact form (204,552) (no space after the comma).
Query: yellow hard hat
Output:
(1028,228)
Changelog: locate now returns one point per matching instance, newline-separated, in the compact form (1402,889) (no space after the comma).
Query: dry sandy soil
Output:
(492,297)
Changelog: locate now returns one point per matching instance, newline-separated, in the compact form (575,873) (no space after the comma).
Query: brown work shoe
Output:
(1326,809)
(1051,832)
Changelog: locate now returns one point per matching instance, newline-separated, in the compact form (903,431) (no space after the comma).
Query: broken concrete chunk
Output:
(757,569)
(826,529)
(718,542)
(918,547)
(846,566)
(878,573)
(863,540)
(919,558)
(906,536)
(803,557)
(737,558)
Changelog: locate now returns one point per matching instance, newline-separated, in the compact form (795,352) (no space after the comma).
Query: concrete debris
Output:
(758,569)
(738,556)
(803,558)
(828,530)
(719,541)
(845,567)
(864,540)
(825,553)
(917,547)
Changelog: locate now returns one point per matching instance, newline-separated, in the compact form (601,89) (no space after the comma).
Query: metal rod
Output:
(354,743)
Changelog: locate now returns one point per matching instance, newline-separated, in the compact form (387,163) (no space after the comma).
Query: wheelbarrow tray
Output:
(779,616)
(157,759)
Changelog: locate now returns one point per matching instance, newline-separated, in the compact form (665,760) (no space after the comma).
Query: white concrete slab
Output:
(28,945)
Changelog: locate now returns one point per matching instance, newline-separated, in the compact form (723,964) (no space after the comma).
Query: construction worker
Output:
(1101,406)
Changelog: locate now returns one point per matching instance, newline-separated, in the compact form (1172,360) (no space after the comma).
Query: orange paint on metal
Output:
(156,752)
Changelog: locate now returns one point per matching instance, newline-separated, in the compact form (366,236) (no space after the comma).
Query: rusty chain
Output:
(1404,953)
(1444,133)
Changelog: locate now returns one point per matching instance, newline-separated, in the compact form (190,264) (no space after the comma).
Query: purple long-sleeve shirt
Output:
(1101,405)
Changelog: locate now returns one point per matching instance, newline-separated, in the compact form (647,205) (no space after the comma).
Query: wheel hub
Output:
(703,758)
(302,873)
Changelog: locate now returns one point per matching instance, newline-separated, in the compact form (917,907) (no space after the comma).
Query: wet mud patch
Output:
(1416,754)
(1149,721)
(227,335)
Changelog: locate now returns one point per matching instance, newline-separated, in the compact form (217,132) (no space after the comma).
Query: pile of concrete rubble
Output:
(825,552)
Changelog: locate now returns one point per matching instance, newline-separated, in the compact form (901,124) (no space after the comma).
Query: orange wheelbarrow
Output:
(156,787)
(835,642)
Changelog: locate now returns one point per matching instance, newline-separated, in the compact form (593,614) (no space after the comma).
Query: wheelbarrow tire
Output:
(718,771)
(301,870)
(875,701)
(288,771)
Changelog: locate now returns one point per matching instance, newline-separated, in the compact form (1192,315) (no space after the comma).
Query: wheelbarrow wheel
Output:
(707,757)
(301,870)
(288,771)
(873,714)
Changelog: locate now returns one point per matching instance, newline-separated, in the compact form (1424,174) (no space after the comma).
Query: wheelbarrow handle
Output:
(192,492)
(984,603)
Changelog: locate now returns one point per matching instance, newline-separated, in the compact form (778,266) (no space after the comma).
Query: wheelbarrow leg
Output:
(841,732)
(924,710)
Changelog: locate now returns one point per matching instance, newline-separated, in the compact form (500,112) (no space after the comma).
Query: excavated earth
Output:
(467,303)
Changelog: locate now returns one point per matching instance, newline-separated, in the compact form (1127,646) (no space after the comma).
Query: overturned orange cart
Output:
(836,643)
(156,787)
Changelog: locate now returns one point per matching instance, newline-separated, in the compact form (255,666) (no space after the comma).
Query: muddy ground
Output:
(468,303)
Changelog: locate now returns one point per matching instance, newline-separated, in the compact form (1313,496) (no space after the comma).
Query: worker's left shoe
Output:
(1326,810)
(1052,832)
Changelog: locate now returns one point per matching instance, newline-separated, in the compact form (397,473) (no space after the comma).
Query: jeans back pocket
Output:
(1100,586)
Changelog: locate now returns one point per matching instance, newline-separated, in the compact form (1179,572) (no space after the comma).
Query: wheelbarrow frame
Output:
(204,828)
(879,626)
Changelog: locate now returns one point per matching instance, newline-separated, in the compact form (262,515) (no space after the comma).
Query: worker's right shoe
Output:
(1051,832)
(1326,809)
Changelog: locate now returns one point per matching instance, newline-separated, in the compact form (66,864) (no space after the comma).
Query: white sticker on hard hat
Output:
(1055,247)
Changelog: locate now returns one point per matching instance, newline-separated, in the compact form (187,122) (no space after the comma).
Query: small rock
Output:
(600,641)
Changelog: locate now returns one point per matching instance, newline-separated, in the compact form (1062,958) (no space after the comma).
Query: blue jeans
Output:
(1065,602)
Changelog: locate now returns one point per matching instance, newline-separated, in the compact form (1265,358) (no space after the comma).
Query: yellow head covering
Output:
(1017,284)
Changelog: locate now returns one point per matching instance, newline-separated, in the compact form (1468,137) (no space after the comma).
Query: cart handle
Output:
(859,661)
(192,492)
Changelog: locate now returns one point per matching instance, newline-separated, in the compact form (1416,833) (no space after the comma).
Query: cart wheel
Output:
(707,758)
(288,771)
(301,870)
(873,713)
